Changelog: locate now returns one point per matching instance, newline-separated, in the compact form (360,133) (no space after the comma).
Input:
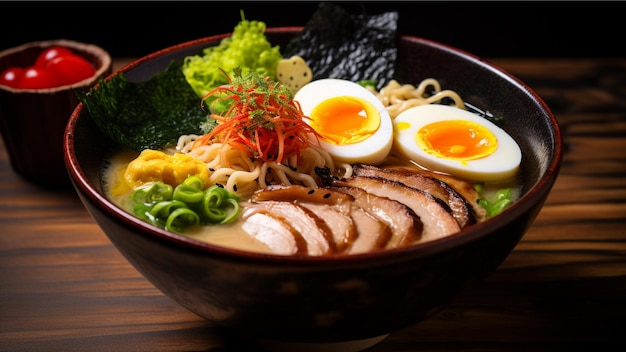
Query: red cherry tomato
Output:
(12,76)
(69,69)
(37,78)
(50,53)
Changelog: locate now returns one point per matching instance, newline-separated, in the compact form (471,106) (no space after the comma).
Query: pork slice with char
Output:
(358,221)
(464,188)
(337,220)
(318,241)
(436,216)
(330,207)
(405,225)
(292,193)
(274,233)
(373,234)
(461,209)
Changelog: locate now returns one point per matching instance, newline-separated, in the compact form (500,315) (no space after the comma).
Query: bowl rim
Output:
(527,200)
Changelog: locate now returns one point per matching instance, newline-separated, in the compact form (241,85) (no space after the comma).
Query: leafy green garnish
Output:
(187,204)
(247,48)
(147,115)
(367,83)
(495,204)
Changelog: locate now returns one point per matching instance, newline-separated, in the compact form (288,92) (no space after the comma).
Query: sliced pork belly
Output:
(358,221)
(464,188)
(373,234)
(461,209)
(316,238)
(331,208)
(275,233)
(435,215)
(338,222)
(403,222)
(300,193)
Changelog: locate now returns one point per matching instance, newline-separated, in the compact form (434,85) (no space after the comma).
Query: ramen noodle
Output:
(398,97)
(238,173)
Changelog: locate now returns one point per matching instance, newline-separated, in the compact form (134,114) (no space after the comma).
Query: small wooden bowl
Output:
(32,121)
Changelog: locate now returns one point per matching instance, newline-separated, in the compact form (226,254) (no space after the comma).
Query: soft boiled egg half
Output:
(353,124)
(455,141)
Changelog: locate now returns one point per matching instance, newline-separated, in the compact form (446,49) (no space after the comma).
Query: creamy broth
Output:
(228,235)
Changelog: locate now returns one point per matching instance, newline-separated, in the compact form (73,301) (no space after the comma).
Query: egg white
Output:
(372,150)
(502,164)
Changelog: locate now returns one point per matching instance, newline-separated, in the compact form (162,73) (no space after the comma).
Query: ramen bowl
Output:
(349,302)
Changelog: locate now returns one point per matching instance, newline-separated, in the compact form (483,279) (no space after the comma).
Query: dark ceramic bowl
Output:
(349,302)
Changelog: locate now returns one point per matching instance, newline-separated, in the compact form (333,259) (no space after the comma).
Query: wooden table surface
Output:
(64,287)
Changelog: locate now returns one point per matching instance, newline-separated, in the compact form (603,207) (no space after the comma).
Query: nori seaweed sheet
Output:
(146,115)
(355,47)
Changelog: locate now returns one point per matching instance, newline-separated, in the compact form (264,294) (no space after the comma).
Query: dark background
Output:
(486,29)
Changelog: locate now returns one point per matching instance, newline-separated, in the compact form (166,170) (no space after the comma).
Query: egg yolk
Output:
(345,119)
(456,140)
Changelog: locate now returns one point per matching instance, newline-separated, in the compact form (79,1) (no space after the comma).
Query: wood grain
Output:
(64,287)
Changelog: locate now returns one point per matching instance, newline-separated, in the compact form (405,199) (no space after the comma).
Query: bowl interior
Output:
(526,117)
